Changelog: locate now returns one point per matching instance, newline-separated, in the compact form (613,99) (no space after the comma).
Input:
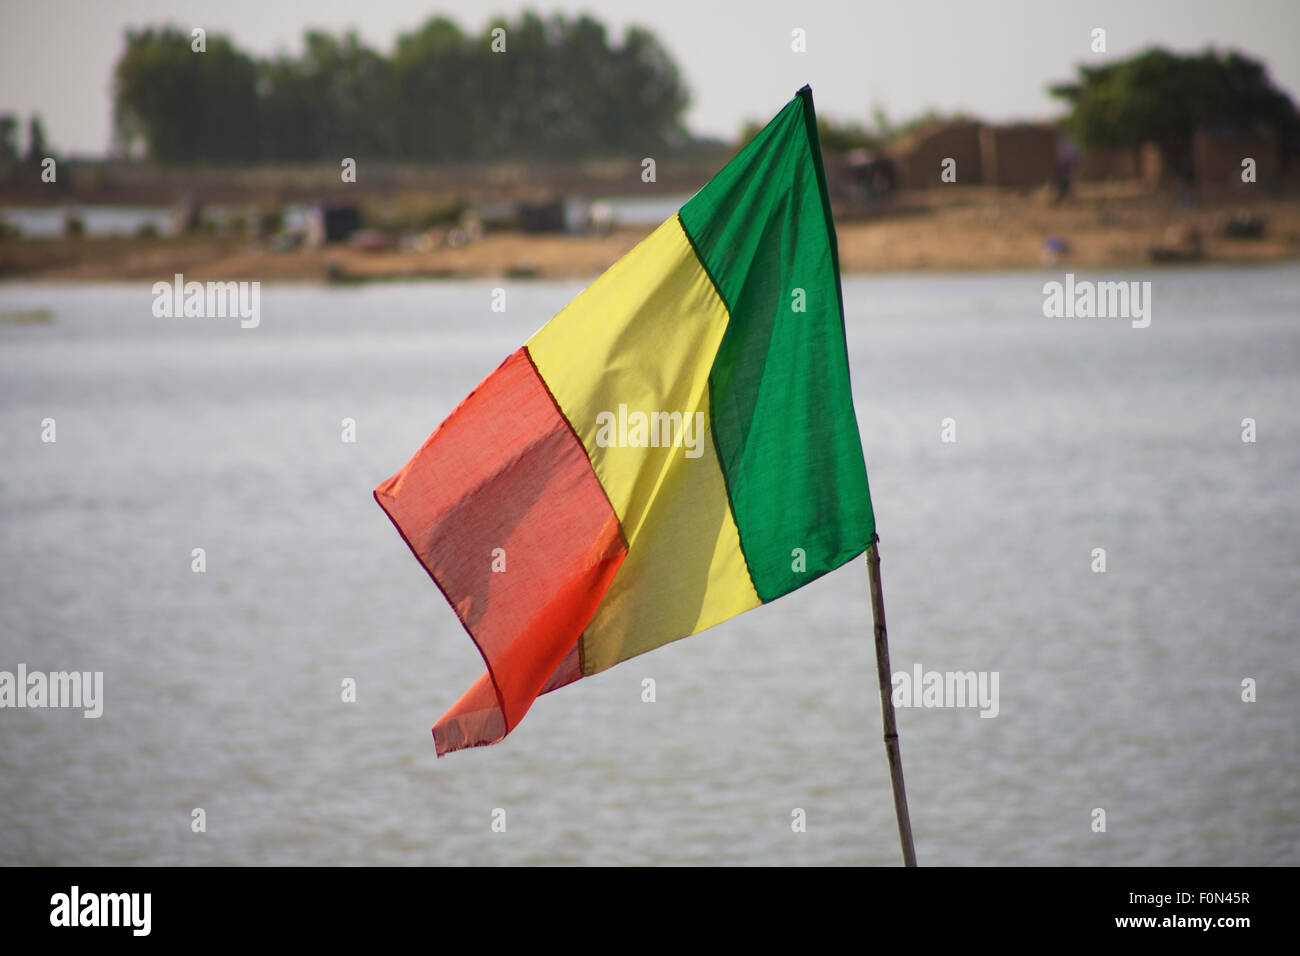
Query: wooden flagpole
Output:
(887,708)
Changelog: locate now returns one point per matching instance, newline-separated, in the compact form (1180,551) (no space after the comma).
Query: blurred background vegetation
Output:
(563,89)
(1163,97)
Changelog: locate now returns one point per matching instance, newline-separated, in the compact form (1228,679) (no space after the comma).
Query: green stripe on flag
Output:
(782,410)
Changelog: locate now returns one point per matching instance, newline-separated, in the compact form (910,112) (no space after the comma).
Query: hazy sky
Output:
(983,56)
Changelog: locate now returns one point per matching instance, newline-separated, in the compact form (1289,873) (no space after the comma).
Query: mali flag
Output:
(675,447)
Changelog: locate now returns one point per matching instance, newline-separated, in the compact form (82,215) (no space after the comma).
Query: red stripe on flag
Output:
(505,471)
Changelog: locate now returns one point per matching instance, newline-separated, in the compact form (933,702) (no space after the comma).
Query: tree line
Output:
(554,87)
(36,145)
(550,87)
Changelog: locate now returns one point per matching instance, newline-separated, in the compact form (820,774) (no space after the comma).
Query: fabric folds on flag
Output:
(678,445)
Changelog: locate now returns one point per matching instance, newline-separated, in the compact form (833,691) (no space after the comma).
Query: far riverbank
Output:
(956,229)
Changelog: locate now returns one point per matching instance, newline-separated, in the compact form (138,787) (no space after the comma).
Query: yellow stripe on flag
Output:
(683,573)
(643,337)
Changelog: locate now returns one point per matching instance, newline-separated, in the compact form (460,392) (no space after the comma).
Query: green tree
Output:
(185,106)
(8,139)
(1163,97)
(434,72)
(288,104)
(352,110)
(37,149)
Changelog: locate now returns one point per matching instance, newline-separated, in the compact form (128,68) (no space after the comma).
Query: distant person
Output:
(1067,160)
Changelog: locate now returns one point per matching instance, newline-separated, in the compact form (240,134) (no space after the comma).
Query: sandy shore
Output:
(957,229)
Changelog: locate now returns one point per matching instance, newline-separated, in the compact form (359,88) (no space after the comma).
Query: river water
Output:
(1119,691)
